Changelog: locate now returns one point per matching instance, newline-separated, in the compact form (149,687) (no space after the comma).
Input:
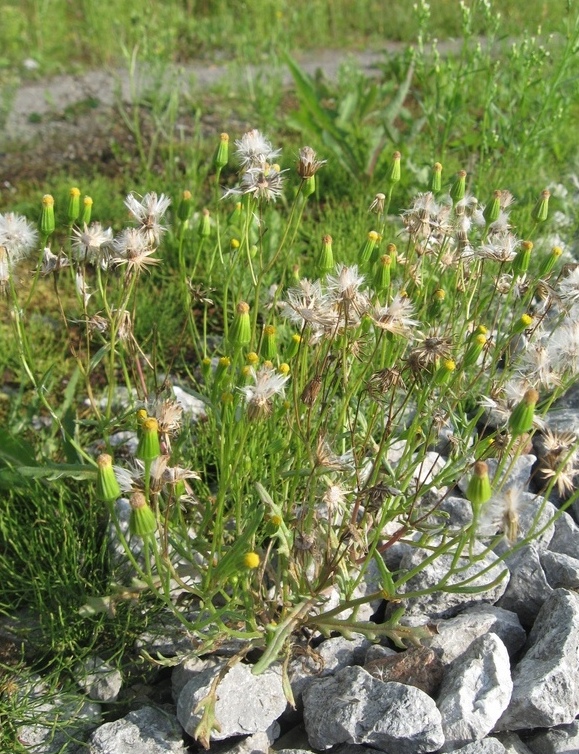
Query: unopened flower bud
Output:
(436,178)
(392,252)
(107,487)
(149,447)
(268,343)
(142,521)
(222,153)
(458,189)
(549,262)
(240,332)
(236,215)
(479,491)
(522,324)
(73,205)
(493,208)
(86,211)
(204,229)
(394,175)
(382,273)
(326,256)
(294,346)
(47,223)
(541,209)
(474,349)
(521,419)
(367,248)
(523,258)
(185,206)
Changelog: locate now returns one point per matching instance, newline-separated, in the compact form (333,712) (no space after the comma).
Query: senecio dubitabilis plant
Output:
(339,408)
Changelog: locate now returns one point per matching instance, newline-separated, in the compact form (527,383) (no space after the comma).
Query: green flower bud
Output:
(493,209)
(222,366)
(474,349)
(107,487)
(523,258)
(185,207)
(522,324)
(436,178)
(86,211)
(444,371)
(268,343)
(382,273)
(479,489)
(222,154)
(240,332)
(458,189)
(394,175)
(541,209)
(368,247)
(326,256)
(73,205)
(149,447)
(235,216)
(47,223)
(392,252)
(204,230)
(548,264)
(521,420)
(294,346)
(142,521)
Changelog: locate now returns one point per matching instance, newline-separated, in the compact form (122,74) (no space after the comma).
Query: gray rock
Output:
(143,731)
(475,692)
(245,703)
(258,743)
(445,604)
(534,514)
(455,635)
(458,510)
(527,589)
(378,652)
(565,539)
(486,746)
(99,680)
(561,571)
(352,707)
(186,670)
(513,744)
(563,739)
(545,682)
(167,636)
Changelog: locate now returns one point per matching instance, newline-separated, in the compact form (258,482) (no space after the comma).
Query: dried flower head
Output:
(259,396)
(91,244)
(308,163)
(254,150)
(17,235)
(148,213)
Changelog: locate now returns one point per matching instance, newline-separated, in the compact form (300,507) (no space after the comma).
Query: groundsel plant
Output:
(338,409)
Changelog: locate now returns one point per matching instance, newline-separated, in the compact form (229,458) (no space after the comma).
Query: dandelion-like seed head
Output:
(308,163)
(259,397)
(91,244)
(254,150)
(17,235)
(148,213)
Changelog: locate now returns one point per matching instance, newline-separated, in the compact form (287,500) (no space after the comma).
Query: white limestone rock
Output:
(144,731)
(246,703)
(99,680)
(475,692)
(353,707)
(545,681)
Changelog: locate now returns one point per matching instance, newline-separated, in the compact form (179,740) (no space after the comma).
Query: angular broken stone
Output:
(486,746)
(98,679)
(353,707)
(561,571)
(147,731)
(562,739)
(527,589)
(454,636)
(545,681)
(245,703)
(475,692)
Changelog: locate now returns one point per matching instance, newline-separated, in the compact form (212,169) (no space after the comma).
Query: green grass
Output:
(64,38)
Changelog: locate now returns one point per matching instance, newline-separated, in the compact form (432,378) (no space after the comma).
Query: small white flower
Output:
(17,235)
